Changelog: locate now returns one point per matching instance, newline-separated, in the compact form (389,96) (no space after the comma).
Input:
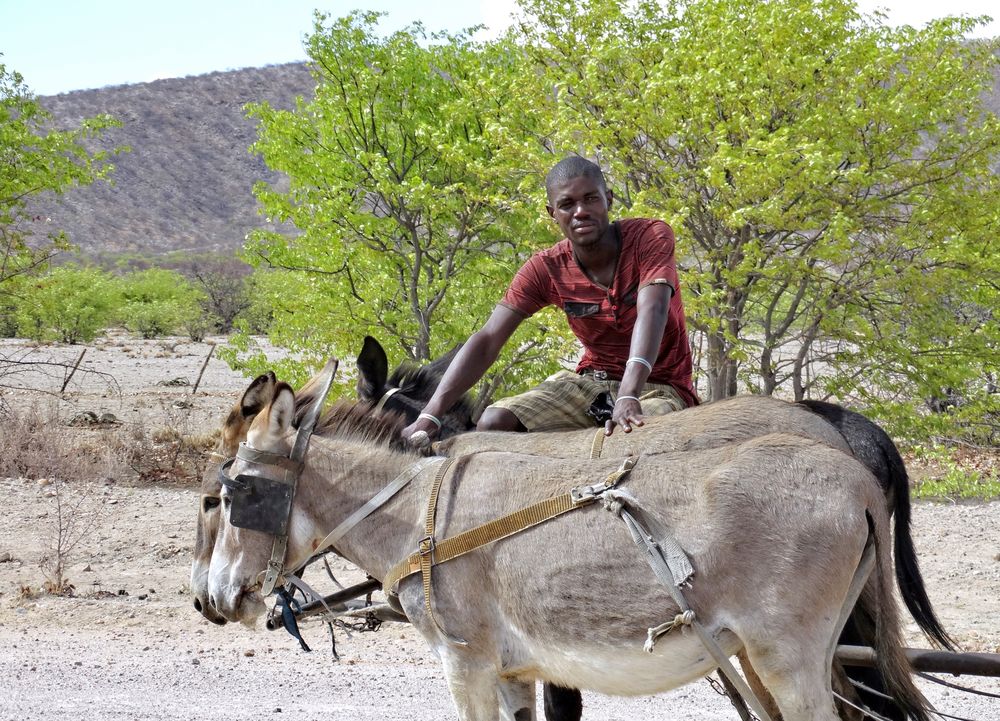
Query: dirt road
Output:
(130,646)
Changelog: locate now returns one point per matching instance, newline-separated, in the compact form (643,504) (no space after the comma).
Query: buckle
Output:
(600,375)
(585,494)
(425,546)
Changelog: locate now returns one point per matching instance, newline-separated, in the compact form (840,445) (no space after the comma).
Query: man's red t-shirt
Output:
(603,318)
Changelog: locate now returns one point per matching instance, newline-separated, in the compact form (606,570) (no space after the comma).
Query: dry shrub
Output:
(169,456)
(36,444)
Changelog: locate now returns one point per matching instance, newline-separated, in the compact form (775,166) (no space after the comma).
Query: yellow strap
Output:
(598,445)
(431,553)
(426,547)
(475,537)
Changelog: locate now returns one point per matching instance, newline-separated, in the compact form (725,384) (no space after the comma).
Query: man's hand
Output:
(627,413)
(420,433)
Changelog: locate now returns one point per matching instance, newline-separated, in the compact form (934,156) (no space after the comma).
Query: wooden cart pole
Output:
(973,664)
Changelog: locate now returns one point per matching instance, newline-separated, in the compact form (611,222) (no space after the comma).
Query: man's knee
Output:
(499,419)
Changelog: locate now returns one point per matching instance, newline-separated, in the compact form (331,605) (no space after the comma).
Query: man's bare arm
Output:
(653,304)
(470,364)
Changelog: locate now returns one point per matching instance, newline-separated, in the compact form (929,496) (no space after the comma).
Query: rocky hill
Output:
(186,184)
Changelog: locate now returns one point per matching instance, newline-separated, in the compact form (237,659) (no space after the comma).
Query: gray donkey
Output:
(774,528)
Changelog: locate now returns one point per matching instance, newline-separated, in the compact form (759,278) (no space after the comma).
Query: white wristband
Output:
(626,398)
(433,419)
(639,359)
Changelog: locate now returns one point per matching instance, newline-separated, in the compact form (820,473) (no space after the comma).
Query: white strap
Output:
(377,501)
(385,396)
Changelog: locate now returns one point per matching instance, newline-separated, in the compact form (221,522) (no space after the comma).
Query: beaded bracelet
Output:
(433,419)
(639,359)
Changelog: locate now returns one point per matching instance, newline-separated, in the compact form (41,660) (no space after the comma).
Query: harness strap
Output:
(385,396)
(431,552)
(425,552)
(376,501)
(293,467)
(659,551)
(598,445)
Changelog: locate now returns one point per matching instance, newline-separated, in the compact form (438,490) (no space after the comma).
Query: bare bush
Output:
(35,445)
(75,517)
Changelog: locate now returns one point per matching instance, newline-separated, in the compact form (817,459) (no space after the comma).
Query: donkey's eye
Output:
(210,502)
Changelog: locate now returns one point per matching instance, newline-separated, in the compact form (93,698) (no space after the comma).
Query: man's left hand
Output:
(627,414)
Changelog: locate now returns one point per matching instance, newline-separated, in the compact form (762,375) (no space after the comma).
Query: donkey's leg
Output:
(795,673)
(757,686)
(474,686)
(562,704)
(517,700)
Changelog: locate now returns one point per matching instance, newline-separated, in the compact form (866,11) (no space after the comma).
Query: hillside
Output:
(187,183)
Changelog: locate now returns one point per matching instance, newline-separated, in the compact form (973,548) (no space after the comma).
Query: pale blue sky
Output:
(63,45)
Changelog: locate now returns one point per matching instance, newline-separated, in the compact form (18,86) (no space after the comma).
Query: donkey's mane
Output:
(355,421)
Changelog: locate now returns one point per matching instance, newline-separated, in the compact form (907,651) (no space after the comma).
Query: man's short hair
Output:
(572,167)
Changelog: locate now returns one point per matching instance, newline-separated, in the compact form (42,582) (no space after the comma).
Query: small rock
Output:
(249,652)
(43,482)
(6,557)
(195,662)
(87,568)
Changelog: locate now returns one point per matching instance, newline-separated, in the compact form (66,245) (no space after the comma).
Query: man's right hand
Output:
(420,433)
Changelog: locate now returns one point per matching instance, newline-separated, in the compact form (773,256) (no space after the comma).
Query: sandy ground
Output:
(129,645)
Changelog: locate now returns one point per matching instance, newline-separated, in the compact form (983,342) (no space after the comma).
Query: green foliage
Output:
(222,278)
(835,202)
(159,302)
(410,200)
(34,159)
(70,304)
(954,478)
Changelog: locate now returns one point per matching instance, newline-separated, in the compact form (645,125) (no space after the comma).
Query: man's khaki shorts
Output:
(561,401)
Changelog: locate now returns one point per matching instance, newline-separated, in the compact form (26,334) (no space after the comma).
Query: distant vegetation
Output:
(836,202)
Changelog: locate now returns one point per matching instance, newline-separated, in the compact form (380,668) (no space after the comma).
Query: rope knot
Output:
(653,634)
(613,504)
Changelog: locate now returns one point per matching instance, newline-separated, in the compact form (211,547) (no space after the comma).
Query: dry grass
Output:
(37,444)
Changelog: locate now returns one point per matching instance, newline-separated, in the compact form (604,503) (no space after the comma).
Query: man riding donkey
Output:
(617,283)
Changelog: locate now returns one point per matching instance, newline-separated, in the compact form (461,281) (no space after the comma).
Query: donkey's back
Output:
(774,529)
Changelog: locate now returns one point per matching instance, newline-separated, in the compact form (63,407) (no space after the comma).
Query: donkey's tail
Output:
(874,448)
(877,602)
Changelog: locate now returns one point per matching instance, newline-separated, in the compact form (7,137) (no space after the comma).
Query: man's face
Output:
(580,207)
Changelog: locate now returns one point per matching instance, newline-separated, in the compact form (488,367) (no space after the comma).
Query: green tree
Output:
(157,302)
(830,179)
(70,304)
(36,158)
(411,206)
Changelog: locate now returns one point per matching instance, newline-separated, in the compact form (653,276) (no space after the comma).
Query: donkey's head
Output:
(234,432)
(409,387)
(240,554)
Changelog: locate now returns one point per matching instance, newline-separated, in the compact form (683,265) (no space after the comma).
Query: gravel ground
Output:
(129,645)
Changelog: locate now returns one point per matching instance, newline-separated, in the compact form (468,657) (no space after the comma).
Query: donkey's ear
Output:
(282,410)
(373,369)
(256,396)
